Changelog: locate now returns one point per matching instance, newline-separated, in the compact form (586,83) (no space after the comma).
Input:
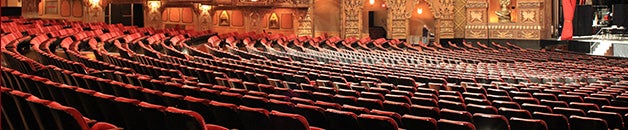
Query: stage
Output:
(603,45)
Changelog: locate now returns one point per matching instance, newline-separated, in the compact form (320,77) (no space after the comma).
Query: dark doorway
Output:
(375,31)
(126,14)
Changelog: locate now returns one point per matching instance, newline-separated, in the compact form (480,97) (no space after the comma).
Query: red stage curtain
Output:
(569,6)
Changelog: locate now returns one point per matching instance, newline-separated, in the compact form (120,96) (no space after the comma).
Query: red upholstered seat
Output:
(374,122)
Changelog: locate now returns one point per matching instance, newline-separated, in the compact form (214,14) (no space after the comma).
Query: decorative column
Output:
(204,19)
(30,8)
(153,14)
(351,18)
(305,23)
(397,19)
(305,19)
(445,19)
(460,19)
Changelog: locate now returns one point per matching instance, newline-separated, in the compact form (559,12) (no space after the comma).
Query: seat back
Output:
(314,115)
(553,121)
(418,123)
(253,118)
(375,122)
(286,121)
(456,115)
(527,124)
(490,122)
(444,124)
(342,120)
(587,123)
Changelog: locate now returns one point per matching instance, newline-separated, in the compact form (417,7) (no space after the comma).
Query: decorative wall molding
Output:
(460,19)
(305,23)
(476,4)
(351,18)
(397,19)
(530,4)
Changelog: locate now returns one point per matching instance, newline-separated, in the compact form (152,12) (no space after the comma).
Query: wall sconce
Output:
(205,7)
(371,2)
(154,4)
(383,5)
(94,2)
(419,11)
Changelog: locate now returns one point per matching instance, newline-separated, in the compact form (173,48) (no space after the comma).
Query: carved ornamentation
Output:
(460,19)
(530,4)
(305,23)
(476,34)
(477,5)
(476,16)
(528,16)
(398,16)
(446,9)
(351,17)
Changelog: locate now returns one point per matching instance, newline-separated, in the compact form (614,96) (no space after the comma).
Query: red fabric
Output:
(569,6)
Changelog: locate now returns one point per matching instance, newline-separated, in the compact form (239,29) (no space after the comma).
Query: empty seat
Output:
(490,122)
(327,105)
(418,123)
(342,120)
(255,102)
(527,124)
(425,95)
(614,120)
(568,112)
(522,100)
(498,98)
(424,101)
(283,121)
(398,98)
(553,104)
(617,109)
(545,96)
(355,109)
(226,111)
(584,106)
(553,121)
(282,106)
(349,100)
(297,100)
(570,98)
(370,103)
(425,111)
(323,97)
(315,115)
(451,98)
(452,105)
(507,104)
(519,113)
(537,108)
(596,100)
(372,95)
(233,98)
(473,108)
(375,122)
(520,94)
(444,124)
(398,107)
(456,115)
(587,123)
(474,95)
(477,101)
(254,118)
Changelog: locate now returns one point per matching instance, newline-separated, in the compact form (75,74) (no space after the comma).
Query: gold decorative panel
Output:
(460,19)
(352,12)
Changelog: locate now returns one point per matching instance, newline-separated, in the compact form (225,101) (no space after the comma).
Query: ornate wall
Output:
(351,18)
(531,21)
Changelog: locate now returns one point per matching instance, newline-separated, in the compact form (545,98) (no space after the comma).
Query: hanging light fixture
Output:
(419,11)
(383,5)
(371,2)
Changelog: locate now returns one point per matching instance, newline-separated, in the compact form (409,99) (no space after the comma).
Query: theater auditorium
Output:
(314,65)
